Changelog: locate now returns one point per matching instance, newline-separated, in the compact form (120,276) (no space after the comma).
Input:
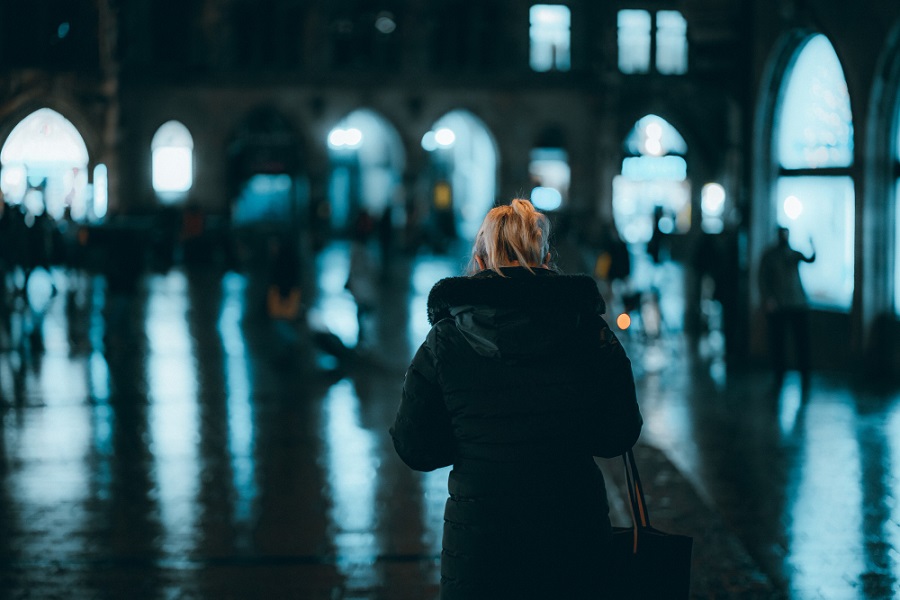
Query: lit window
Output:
(173,160)
(671,43)
(654,178)
(634,41)
(45,159)
(654,136)
(816,129)
(463,166)
(816,132)
(550,35)
(712,208)
(549,169)
(265,198)
(636,31)
(101,191)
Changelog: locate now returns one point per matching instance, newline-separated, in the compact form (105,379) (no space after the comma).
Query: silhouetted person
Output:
(518,385)
(785,303)
(362,277)
(283,300)
(123,266)
(193,228)
(386,240)
(283,293)
(655,245)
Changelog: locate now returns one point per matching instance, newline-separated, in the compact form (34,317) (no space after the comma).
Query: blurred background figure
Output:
(284,299)
(785,303)
(362,278)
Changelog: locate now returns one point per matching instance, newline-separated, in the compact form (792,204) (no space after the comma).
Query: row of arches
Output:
(806,158)
(45,166)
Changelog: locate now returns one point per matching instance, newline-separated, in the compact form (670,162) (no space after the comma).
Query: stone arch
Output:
(266,181)
(880,278)
(367,158)
(462,173)
(46,164)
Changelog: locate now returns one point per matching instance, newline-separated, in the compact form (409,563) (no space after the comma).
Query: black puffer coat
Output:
(518,385)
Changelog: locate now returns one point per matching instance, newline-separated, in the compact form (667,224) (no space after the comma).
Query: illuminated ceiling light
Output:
(546,198)
(712,198)
(353,137)
(793,207)
(385,23)
(429,144)
(666,225)
(337,138)
(653,147)
(444,137)
(341,138)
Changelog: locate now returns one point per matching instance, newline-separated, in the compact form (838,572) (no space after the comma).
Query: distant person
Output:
(283,301)
(362,278)
(785,303)
(284,305)
(518,385)
(193,228)
(656,246)
(386,240)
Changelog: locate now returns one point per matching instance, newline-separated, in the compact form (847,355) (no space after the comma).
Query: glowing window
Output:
(636,31)
(550,34)
(45,159)
(815,131)
(463,161)
(671,43)
(173,160)
(634,41)
(101,191)
(816,125)
(654,178)
(712,208)
(549,168)
(654,136)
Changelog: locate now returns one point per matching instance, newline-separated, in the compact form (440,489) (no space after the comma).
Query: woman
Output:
(518,385)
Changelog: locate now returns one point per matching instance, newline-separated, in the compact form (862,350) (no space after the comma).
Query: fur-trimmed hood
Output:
(520,313)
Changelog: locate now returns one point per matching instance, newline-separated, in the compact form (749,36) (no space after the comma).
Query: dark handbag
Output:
(647,563)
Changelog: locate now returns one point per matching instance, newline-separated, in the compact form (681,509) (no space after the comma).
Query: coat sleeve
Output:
(619,417)
(422,431)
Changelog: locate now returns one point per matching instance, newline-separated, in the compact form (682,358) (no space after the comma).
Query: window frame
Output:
(841,303)
(652,67)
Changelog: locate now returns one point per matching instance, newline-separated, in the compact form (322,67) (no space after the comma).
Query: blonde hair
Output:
(511,233)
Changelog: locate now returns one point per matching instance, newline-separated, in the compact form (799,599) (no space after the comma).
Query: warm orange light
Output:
(623,321)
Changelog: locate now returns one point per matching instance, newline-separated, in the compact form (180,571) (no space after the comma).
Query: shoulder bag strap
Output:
(639,515)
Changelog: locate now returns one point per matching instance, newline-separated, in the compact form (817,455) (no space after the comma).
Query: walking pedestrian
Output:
(362,278)
(518,385)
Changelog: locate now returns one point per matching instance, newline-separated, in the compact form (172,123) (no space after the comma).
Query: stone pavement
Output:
(170,445)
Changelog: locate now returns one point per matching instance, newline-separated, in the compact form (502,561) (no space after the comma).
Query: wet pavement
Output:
(174,444)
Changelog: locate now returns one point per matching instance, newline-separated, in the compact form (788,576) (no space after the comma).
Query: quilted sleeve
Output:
(619,418)
(422,431)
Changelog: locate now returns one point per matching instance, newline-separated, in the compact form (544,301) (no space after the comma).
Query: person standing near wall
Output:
(785,303)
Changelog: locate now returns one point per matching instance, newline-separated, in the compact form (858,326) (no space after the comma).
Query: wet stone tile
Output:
(191,451)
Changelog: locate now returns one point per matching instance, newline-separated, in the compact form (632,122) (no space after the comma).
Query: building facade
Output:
(306,111)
